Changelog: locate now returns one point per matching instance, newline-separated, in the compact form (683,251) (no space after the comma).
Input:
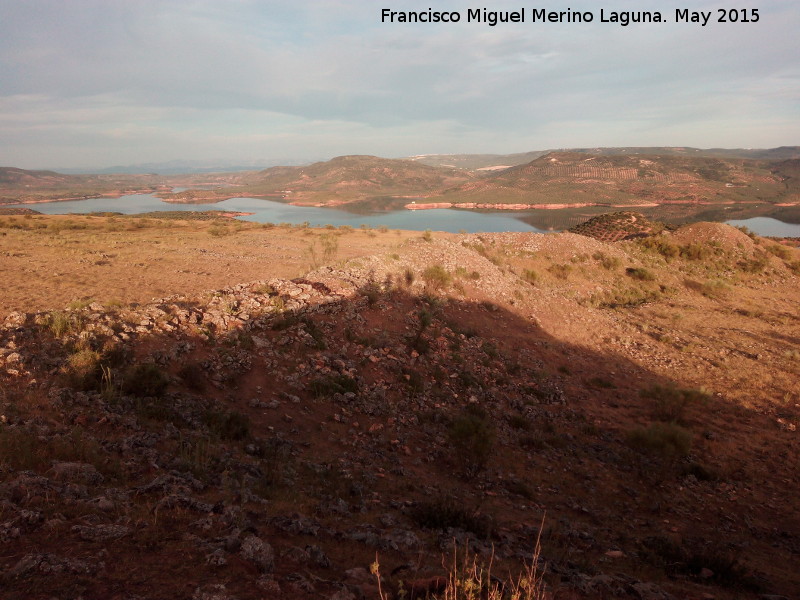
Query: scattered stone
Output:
(214,591)
(100,533)
(51,564)
(74,471)
(258,552)
(217,558)
(318,557)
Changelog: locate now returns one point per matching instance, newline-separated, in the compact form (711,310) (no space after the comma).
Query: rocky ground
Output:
(634,404)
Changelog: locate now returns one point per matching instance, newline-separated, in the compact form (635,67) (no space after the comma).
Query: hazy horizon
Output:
(93,84)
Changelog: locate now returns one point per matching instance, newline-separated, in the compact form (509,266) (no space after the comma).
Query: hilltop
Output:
(270,437)
(345,179)
(494,161)
(573,178)
(26,186)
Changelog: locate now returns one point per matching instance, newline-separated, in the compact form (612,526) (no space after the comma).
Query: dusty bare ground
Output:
(47,262)
(640,397)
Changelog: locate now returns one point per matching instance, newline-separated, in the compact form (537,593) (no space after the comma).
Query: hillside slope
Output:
(575,178)
(21,185)
(492,161)
(269,438)
(341,180)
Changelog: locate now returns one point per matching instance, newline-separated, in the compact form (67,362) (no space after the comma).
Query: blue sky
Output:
(95,83)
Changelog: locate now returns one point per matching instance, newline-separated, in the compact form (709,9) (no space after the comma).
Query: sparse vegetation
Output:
(640,273)
(472,436)
(83,370)
(530,276)
(227,424)
(145,379)
(445,512)
(609,263)
(323,387)
(669,402)
(666,441)
(348,409)
(716,289)
(560,271)
(436,277)
(781,251)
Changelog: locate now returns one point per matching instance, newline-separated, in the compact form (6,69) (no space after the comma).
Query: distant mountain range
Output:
(600,176)
(483,161)
(180,167)
(459,161)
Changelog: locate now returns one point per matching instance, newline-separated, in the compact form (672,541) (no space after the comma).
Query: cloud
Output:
(159,80)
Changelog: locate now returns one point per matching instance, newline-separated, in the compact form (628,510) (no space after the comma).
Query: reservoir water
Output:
(452,220)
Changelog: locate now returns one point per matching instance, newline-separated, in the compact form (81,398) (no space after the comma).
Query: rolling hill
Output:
(344,179)
(351,178)
(616,179)
(490,161)
(22,185)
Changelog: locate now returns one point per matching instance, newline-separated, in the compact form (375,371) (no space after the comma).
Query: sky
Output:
(96,83)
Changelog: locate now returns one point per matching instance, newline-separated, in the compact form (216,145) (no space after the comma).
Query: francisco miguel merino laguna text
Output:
(541,15)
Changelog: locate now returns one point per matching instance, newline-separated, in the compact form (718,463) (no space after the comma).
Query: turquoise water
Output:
(452,220)
(267,211)
(767,226)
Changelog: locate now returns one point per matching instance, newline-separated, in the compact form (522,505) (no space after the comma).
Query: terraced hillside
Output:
(491,161)
(612,227)
(574,178)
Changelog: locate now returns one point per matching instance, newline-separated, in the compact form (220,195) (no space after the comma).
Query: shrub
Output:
(756,264)
(83,370)
(227,425)
(747,232)
(560,271)
(696,251)
(332,384)
(219,230)
(195,455)
(22,449)
(371,291)
(61,323)
(601,382)
(660,245)
(701,472)
(519,422)
(664,440)
(608,262)
(446,512)
(436,277)
(715,289)
(145,379)
(624,297)
(640,273)
(669,403)
(530,276)
(193,377)
(408,277)
(694,556)
(472,436)
(780,251)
